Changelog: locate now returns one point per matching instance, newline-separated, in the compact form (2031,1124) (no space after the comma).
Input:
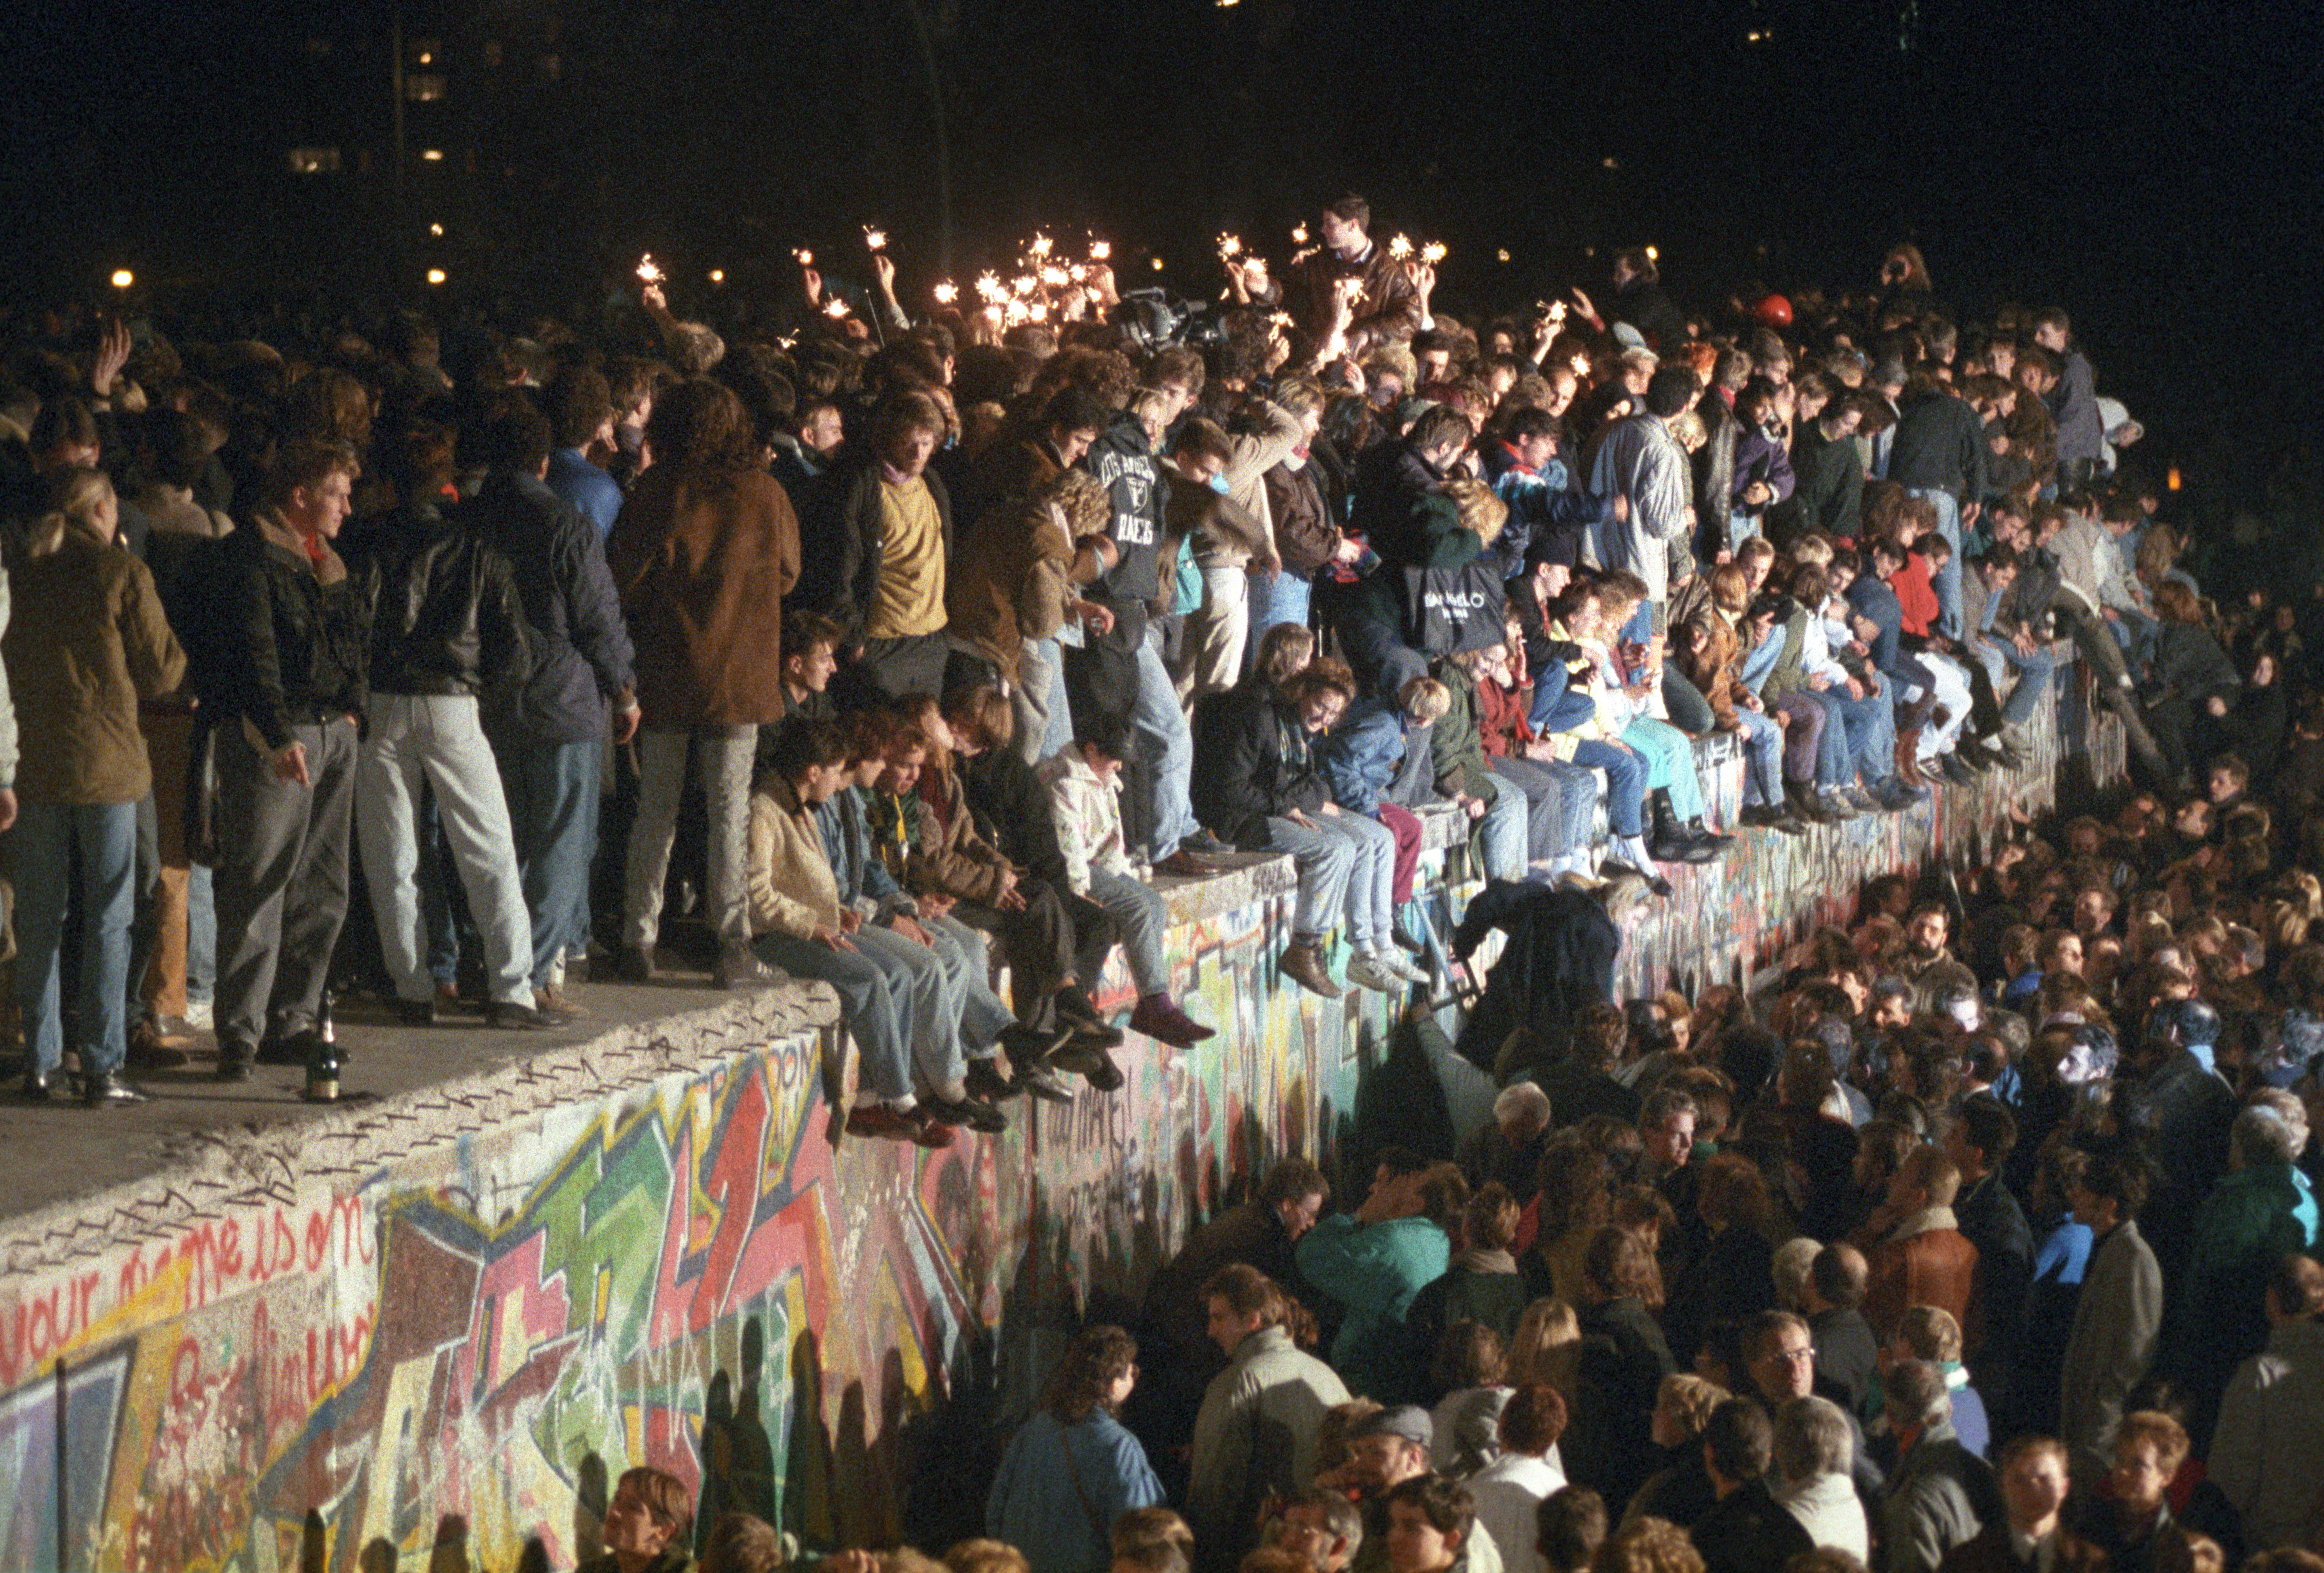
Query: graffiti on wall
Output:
(471,1340)
(693,1275)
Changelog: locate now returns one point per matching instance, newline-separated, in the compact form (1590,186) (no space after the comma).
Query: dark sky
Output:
(2155,166)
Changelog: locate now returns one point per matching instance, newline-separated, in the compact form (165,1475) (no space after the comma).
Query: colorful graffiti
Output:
(464,1340)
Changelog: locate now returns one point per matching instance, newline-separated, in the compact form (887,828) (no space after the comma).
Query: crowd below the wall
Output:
(1981,1246)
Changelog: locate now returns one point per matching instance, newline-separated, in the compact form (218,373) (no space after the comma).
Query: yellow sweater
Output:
(910,597)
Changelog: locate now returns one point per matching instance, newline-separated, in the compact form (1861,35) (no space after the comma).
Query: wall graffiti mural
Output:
(468,1340)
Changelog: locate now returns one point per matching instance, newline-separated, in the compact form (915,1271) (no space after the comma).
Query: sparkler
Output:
(1299,235)
(1055,277)
(1100,251)
(1582,365)
(947,292)
(989,289)
(836,309)
(1399,248)
(649,269)
(1230,246)
(875,239)
(1433,252)
(1040,245)
(805,258)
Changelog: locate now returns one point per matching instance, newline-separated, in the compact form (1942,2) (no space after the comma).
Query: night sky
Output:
(2155,166)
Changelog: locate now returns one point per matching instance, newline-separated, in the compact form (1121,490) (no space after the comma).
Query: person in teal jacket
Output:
(1073,1468)
(1373,1262)
(2262,1209)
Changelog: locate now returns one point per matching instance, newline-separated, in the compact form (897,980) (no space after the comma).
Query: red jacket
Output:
(1916,593)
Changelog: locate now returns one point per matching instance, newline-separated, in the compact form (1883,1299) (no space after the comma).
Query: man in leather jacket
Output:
(446,624)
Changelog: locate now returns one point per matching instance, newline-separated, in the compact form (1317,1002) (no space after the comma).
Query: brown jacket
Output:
(1710,669)
(1933,1266)
(1387,311)
(1014,584)
(1989,1551)
(87,642)
(953,857)
(703,561)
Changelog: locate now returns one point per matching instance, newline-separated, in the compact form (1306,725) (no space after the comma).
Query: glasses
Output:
(1792,1356)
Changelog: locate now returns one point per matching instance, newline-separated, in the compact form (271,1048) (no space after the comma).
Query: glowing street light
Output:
(432,156)
(123,278)
(437,230)
(718,275)
(435,275)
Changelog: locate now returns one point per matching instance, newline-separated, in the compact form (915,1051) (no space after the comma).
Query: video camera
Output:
(1152,319)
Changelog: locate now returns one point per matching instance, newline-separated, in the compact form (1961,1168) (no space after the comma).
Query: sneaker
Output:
(1365,971)
(200,1016)
(877,1120)
(986,1081)
(973,1112)
(1045,1084)
(1860,800)
(1835,802)
(739,967)
(1090,1060)
(1079,1014)
(514,1015)
(1158,1017)
(1953,769)
(1303,963)
(1029,1045)
(38,1086)
(1204,844)
(1389,961)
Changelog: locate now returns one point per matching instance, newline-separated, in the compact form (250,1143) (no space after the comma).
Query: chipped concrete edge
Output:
(249,1164)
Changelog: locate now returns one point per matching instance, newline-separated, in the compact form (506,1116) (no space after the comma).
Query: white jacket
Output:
(1088,817)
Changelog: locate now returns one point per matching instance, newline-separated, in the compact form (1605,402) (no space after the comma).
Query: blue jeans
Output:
(1581,792)
(1501,835)
(1325,862)
(1763,755)
(47,836)
(1947,579)
(552,807)
(1999,655)
(867,1006)
(1548,811)
(201,934)
(1626,784)
(1160,721)
(1665,758)
(1284,598)
(1139,912)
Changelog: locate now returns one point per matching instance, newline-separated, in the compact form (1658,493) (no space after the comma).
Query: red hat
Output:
(1772,310)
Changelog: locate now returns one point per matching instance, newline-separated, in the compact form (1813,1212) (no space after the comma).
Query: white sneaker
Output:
(1367,972)
(1401,965)
(199,1015)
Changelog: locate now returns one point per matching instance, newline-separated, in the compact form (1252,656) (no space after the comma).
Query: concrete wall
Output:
(456,1314)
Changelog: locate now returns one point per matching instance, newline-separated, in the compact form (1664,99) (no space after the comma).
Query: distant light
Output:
(437,230)
(426,59)
(1501,256)
(435,275)
(2170,482)
(433,156)
(123,278)
(1653,255)
(1229,5)
(1611,164)
(1158,264)
(718,275)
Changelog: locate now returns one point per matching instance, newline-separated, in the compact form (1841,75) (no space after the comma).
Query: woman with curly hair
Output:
(1072,1470)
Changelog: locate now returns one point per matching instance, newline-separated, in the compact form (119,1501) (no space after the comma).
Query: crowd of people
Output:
(889,647)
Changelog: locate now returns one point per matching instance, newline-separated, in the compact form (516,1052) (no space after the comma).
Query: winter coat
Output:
(1255,1436)
(1061,1487)
(87,641)
(791,888)
(2118,1320)
(1940,1495)
(1304,534)
(1087,815)
(1559,957)
(1359,759)
(1374,1270)
(1258,765)
(2269,1437)
(579,649)
(842,541)
(701,560)
(1938,446)
(1385,310)
(1636,457)
(1925,1261)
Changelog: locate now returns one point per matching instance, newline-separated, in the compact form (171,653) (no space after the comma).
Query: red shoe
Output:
(1159,1017)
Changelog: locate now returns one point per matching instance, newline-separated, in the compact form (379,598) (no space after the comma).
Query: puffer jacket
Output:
(447,620)
(87,642)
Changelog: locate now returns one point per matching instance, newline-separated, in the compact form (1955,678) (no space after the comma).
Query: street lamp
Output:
(123,278)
